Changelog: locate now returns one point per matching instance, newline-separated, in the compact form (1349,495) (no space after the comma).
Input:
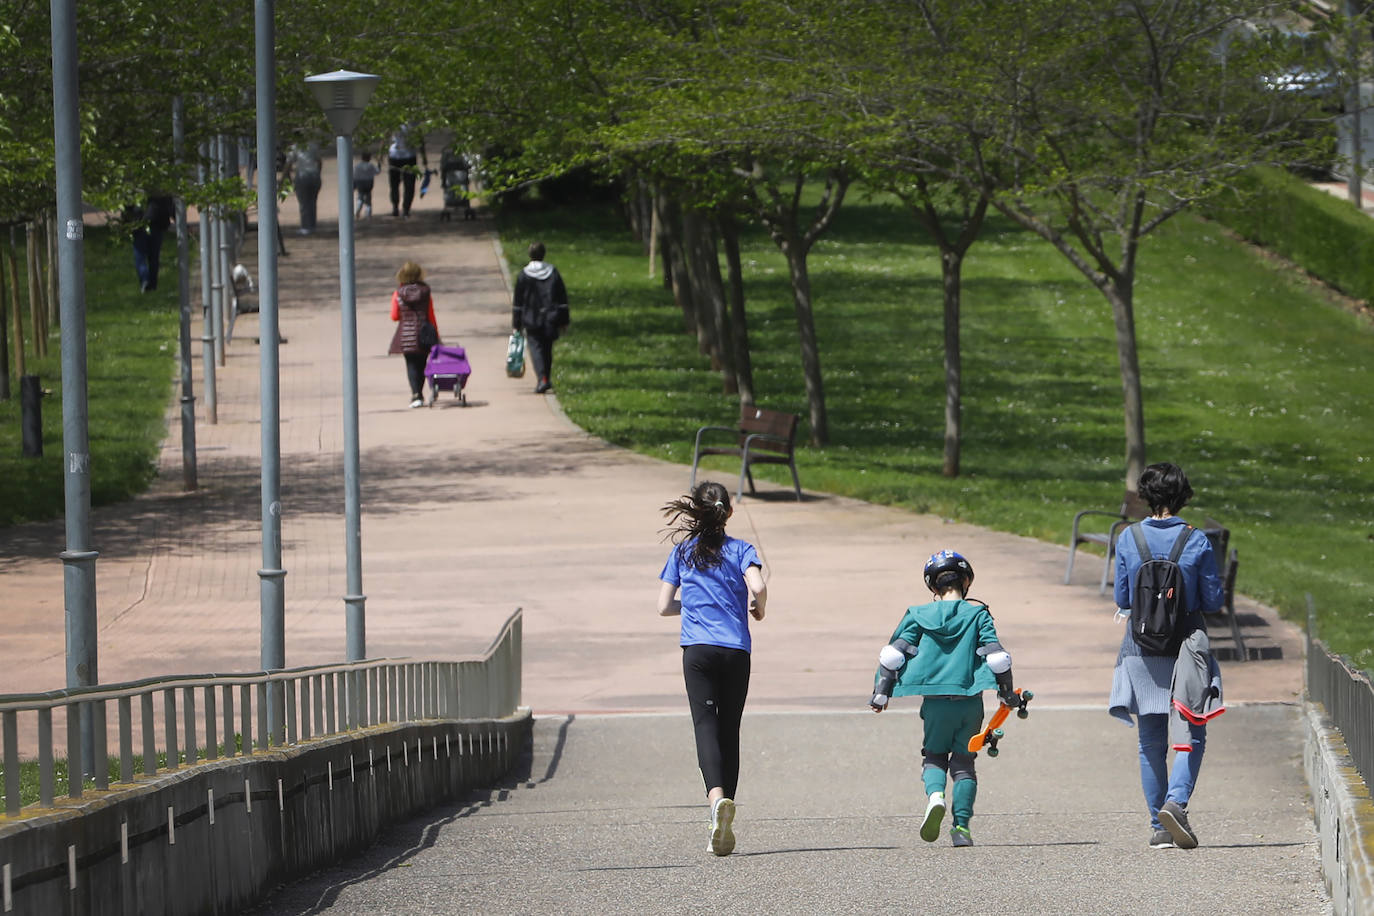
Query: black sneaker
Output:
(1162,839)
(1175,820)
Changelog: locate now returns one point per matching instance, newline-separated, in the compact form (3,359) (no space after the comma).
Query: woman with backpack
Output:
(1162,626)
(412,307)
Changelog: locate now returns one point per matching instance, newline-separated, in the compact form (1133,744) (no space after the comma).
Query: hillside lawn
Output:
(1254,380)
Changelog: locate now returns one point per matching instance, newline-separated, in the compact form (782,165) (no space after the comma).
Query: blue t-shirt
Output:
(715,601)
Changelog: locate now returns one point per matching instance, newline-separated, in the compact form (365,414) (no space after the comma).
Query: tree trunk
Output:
(18,343)
(708,334)
(4,338)
(739,330)
(675,267)
(810,352)
(1121,297)
(37,315)
(703,265)
(54,303)
(951,266)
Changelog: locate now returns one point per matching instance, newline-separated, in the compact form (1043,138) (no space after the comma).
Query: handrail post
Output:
(169,724)
(146,722)
(211,714)
(126,739)
(100,753)
(74,758)
(45,762)
(11,741)
(188,712)
(246,719)
(227,698)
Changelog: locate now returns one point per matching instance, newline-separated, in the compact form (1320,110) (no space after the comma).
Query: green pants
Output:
(949,724)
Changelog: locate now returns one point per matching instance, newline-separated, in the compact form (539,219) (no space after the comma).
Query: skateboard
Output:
(989,736)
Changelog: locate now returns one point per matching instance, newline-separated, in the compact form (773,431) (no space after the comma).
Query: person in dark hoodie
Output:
(540,309)
(948,652)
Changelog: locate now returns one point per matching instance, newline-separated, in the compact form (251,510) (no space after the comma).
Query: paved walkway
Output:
(470,512)
(607,820)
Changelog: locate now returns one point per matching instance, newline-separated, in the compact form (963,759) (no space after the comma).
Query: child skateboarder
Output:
(946,651)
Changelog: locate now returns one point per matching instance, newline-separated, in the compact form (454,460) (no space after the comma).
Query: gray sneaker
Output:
(1162,839)
(960,836)
(1175,820)
(722,841)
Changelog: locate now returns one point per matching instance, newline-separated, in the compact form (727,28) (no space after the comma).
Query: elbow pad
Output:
(894,656)
(998,659)
(891,658)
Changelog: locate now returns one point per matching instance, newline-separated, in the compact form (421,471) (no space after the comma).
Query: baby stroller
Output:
(453,175)
(447,370)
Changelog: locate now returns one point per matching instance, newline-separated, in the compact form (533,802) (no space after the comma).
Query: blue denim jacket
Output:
(1199,564)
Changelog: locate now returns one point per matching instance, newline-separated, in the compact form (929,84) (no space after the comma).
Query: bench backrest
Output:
(770,423)
(1132,506)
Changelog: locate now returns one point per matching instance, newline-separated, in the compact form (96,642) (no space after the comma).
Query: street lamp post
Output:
(343,94)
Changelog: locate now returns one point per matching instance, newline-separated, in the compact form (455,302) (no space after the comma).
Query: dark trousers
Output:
(307,194)
(401,173)
(147,256)
(541,354)
(717,682)
(415,372)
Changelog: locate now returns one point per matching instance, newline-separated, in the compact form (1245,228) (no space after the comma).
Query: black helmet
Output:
(947,561)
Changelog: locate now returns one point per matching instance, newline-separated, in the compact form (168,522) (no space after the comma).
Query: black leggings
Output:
(415,373)
(717,683)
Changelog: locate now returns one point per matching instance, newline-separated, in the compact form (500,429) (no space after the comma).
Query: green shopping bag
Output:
(515,355)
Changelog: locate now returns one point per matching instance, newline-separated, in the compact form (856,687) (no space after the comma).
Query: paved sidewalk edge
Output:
(1344,814)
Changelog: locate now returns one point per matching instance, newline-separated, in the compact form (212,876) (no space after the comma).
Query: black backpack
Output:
(1160,603)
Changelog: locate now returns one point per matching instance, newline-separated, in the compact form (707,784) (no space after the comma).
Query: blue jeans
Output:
(1160,782)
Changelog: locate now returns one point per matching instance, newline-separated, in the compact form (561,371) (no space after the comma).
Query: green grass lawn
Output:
(131,352)
(1254,381)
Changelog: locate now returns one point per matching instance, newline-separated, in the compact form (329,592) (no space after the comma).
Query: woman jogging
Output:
(721,582)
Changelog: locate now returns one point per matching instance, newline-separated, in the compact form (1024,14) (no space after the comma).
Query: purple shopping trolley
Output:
(447,370)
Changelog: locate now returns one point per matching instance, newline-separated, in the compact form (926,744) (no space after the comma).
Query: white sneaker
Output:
(722,837)
(418,402)
(935,813)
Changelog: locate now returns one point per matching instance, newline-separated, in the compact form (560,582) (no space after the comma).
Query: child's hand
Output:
(756,610)
(878,702)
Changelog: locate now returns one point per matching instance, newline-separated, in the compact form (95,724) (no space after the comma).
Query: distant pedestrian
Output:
(721,583)
(364,174)
(1145,685)
(305,166)
(946,651)
(402,157)
(151,221)
(417,331)
(540,309)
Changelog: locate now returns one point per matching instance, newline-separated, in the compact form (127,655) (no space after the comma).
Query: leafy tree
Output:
(1092,124)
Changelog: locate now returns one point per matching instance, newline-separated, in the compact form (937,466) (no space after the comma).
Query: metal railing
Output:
(249,713)
(1346,694)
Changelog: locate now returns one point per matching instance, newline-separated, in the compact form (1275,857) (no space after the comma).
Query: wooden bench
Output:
(1132,510)
(1227,561)
(762,437)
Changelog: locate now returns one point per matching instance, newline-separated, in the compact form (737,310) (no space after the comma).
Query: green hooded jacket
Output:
(947,636)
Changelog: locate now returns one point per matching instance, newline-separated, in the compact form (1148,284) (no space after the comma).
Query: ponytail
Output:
(700,515)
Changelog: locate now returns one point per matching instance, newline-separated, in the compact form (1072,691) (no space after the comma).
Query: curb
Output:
(1344,814)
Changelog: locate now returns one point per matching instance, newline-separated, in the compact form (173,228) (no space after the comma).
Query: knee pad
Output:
(961,766)
(937,761)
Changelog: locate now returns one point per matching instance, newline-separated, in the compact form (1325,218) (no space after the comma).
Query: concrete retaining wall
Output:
(216,837)
(1345,818)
